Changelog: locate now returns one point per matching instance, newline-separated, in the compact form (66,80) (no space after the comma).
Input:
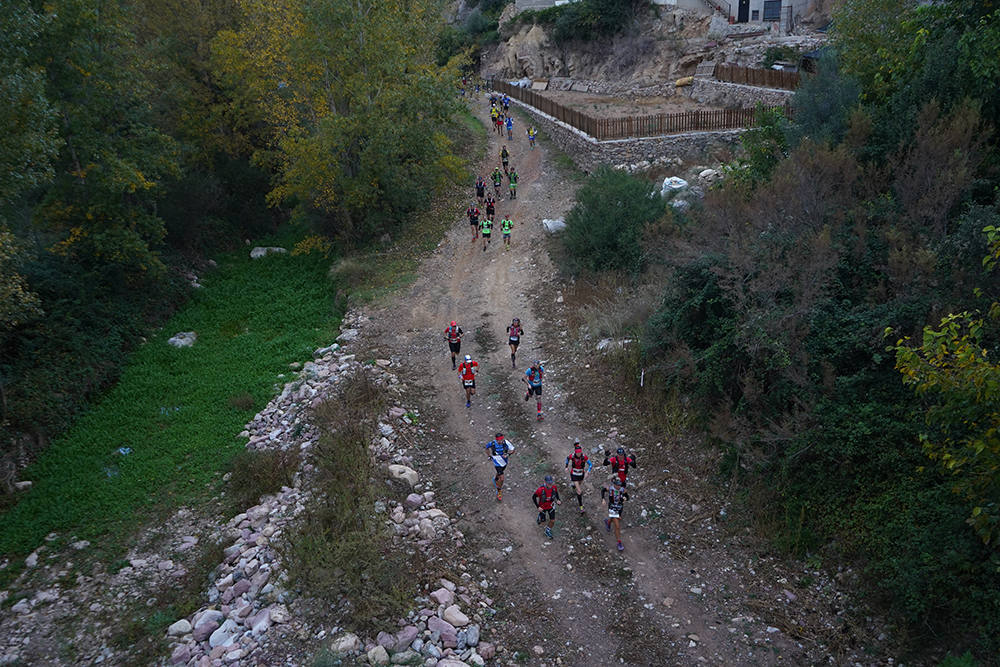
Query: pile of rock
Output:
(440,634)
(247,598)
(645,165)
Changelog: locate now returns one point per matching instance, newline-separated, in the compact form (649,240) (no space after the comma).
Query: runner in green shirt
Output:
(506,225)
(486,227)
(512,177)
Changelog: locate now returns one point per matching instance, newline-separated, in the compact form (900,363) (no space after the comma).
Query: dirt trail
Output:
(574,596)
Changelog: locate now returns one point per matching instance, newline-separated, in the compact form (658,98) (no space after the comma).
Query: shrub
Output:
(259,472)
(604,229)
(339,548)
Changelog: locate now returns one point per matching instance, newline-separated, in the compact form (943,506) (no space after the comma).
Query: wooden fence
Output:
(631,126)
(768,78)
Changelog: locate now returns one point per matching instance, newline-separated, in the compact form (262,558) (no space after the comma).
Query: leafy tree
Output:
(605,228)
(354,106)
(823,103)
(764,146)
(101,206)
(29,142)
(952,369)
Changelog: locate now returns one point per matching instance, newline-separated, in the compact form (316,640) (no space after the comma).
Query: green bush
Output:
(604,230)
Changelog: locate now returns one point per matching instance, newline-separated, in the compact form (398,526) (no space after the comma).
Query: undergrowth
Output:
(339,549)
(160,436)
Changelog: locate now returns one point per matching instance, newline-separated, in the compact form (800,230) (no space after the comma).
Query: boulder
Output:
(414,500)
(443,596)
(407,657)
(406,636)
(345,643)
(409,475)
(264,251)
(435,624)
(180,655)
(204,630)
(348,335)
(378,656)
(225,635)
(181,627)
(455,616)
(183,339)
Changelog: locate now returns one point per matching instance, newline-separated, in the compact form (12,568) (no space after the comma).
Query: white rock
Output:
(348,335)
(263,251)
(23,485)
(279,614)
(181,627)
(455,616)
(554,226)
(345,643)
(405,473)
(378,656)
(225,634)
(183,339)
(80,545)
(21,607)
(31,560)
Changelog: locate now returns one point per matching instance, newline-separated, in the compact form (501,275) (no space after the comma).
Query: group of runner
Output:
(578,464)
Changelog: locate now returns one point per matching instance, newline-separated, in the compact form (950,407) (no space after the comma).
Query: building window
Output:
(755,15)
(772,10)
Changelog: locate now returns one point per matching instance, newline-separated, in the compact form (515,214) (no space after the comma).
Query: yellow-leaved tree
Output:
(354,105)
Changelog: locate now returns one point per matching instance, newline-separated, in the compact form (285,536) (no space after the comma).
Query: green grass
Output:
(179,410)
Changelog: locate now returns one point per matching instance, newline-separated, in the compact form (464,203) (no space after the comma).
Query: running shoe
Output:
(621,547)
(526,397)
(499,496)
(581,509)
(468,404)
(607,525)
(540,417)
(548,532)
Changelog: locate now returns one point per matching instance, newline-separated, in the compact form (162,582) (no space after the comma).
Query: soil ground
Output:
(685,590)
(610,106)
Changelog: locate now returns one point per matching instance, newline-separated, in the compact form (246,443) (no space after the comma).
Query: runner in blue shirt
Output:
(510,128)
(499,450)
(533,378)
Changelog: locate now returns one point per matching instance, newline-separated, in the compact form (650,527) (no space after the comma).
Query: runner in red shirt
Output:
(467,373)
(578,464)
(620,463)
(543,498)
(514,333)
(453,334)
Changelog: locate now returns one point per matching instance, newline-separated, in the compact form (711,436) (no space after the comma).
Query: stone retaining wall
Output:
(736,95)
(588,153)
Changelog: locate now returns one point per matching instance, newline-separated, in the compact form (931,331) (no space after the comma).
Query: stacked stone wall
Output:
(588,153)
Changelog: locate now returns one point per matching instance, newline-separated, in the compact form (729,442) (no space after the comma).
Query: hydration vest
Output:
(545,496)
(615,500)
(577,463)
(452,333)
